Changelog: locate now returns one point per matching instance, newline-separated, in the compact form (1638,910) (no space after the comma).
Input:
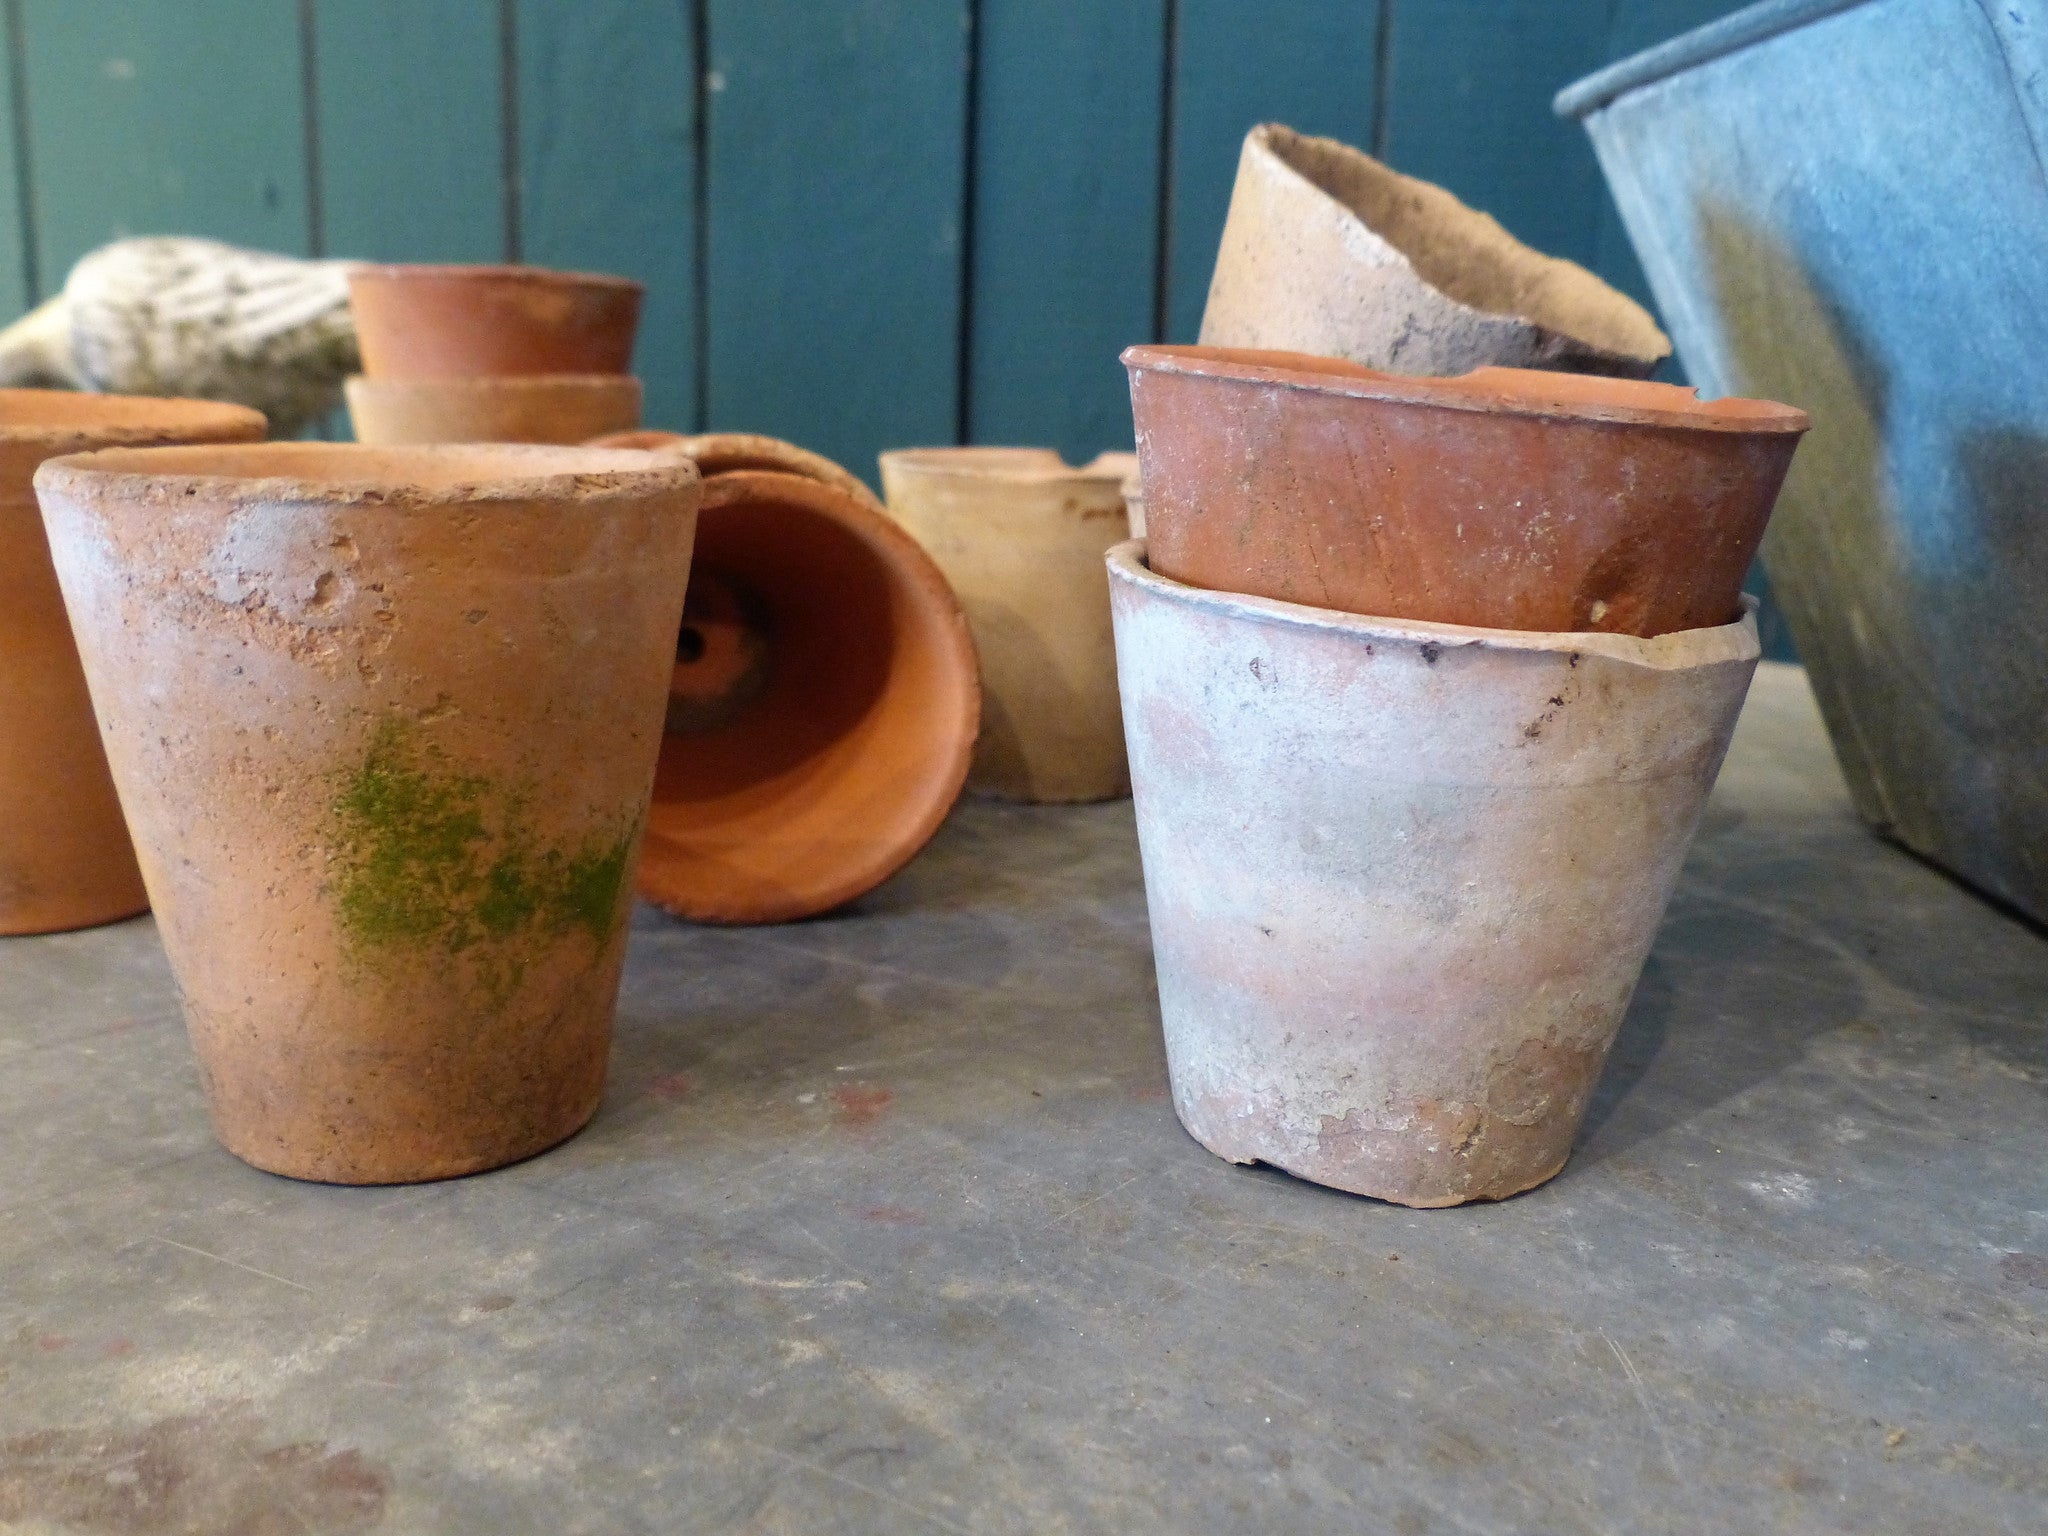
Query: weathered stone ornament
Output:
(384,722)
(65,857)
(1403,877)
(1329,252)
(1021,535)
(1506,498)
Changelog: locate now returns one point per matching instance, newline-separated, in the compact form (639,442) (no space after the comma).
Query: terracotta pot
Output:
(1402,878)
(65,858)
(1134,491)
(384,722)
(1505,498)
(562,409)
(822,712)
(1327,251)
(1020,535)
(720,453)
(459,322)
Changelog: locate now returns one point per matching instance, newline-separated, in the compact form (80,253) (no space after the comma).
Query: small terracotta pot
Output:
(65,858)
(822,711)
(562,409)
(461,322)
(720,453)
(1020,535)
(384,722)
(1329,252)
(1402,878)
(1506,498)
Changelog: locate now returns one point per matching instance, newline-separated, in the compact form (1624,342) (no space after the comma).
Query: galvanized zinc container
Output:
(1841,204)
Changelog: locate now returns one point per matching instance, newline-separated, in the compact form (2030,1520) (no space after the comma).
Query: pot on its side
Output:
(822,708)
(384,722)
(721,453)
(1507,498)
(1328,251)
(65,858)
(458,322)
(560,409)
(1403,877)
(1021,536)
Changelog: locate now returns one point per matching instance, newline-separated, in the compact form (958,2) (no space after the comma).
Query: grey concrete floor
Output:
(886,1225)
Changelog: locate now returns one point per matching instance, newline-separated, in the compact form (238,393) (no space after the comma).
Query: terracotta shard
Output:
(1506,498)
(822,710)
(385,724)
(560,409)
(1327,251)
(455,322)
(1402,878)
(1021,536)
(720,453)
(65,858)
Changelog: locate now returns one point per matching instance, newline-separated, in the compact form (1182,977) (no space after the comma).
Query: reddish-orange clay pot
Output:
(454,322)
(823,711)
(1505,498)
(65,858)
(720,453)
(384,722)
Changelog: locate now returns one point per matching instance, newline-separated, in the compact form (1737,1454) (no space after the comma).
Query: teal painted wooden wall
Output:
(863,223)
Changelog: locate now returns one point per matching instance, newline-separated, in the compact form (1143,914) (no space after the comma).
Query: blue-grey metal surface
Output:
(886,1225)
(1850,214)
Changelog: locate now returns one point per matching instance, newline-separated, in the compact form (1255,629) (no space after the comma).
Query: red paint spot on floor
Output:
(861,1104)
(1146,1092)
(50,1343)
(893,1215)
(676,1085)
(114,1349)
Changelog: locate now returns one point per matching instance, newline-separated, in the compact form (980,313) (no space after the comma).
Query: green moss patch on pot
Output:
(428,858)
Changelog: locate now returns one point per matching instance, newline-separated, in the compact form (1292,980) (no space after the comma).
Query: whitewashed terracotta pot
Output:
(1403,876)
(557,408)
(1327,251)
(1021,535)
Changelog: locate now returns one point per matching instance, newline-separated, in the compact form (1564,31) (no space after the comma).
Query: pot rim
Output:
(992,461)
(426,271)
(497,384)
(1702,45)
(1680,649)
(557,473)
(115,421)
(1522,392)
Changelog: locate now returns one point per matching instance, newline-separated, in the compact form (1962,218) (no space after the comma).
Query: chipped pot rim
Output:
(1735,641)
(1012,465)
(476,272)
(1518,392)
(411,475)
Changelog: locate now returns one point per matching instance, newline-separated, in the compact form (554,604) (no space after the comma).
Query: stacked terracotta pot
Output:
(1425,681)
(512,354)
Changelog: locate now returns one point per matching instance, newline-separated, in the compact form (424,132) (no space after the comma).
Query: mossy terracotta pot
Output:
(1402,878)
(384,722)
(561,409)
(1021,535)
(65,858)
(720,453)
(459,322)
(822,709)
(1507,498)
(1327,251)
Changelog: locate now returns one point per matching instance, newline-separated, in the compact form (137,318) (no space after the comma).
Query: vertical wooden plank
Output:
(836,178)
(409,109)
(608,170)
(17,290)
(1469,87)
(164,119)
(1310,64)
(1065,233)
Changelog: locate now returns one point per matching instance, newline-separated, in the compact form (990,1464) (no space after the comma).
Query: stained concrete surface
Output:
(886,1225)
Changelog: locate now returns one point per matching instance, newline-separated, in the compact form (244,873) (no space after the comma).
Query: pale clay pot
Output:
(384,722)
(1403,877)
(1329,252)
(65,858)
(1021,536)
(541,408)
